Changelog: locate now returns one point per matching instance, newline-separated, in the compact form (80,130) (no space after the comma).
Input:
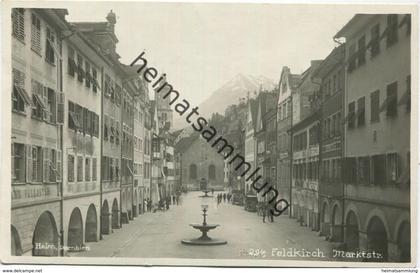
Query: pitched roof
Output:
(184,143)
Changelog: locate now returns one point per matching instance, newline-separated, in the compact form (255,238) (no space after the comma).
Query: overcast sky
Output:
(201,46)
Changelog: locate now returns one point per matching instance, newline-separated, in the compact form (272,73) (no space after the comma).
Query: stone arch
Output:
(404,241)
(45,236)
(325,214)
(381,215)
(115,210)
(336,217)
(377,237)
(75,231)
(91,229)
(352,230)
(105,218)
(16,246)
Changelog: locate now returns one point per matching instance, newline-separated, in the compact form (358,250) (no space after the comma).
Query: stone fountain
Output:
(204,239)
(206,193)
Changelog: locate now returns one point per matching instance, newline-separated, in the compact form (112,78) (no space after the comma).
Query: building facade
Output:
(331,186)
(37,121)
(377,130)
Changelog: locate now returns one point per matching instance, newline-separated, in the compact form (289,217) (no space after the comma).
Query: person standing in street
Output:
(212,191)
(264,211)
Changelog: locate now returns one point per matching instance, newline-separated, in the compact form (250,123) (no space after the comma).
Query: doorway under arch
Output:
(91,230)
(16,246)
(377,239)
(404,242)
(115,221)
(105,218)
(352,231)
(75,233)
(45,236)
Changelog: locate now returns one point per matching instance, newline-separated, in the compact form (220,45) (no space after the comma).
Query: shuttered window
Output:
(80,168)
(374,106)
(50,48)
(18,163)
(36,34)
(18,23)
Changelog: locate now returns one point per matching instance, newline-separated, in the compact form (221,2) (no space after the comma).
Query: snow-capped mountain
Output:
(230,93)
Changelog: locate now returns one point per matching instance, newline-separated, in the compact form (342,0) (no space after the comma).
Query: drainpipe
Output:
(291,155)
(60,133)
(101,154)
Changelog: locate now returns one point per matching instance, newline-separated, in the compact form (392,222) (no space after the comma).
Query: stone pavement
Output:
(159,235)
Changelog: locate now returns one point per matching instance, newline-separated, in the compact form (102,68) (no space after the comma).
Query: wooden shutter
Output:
(45,164)
(60,107)
(28,155)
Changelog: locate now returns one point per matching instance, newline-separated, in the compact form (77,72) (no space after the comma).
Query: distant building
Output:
(202,165)
(250,142)
(287,85)
(331,186)
(305,144)
(377,135)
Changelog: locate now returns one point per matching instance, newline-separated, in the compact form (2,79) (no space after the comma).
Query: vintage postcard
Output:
(209,134)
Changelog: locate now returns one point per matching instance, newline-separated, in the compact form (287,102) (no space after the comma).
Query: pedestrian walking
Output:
(270,212)
(173,199)
(229,196)
(212,191)
(224,197)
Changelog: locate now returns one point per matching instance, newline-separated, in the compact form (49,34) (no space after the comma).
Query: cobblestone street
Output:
(159,235)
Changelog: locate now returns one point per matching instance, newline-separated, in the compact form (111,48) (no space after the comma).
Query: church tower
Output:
(165,113)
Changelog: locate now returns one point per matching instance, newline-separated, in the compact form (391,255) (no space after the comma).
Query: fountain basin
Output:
(204,239)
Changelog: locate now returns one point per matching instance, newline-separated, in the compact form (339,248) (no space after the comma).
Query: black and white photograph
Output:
(209,134)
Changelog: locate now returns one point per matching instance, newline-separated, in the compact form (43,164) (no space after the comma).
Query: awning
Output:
(405,98)
(350,116)
(130,170)
(39,101)
(404,177)
(385,104)
(73,64)
(74,119)
(23,94)
(54,48)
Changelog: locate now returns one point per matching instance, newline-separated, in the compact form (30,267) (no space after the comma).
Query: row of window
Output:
(193,172)
(83,120)
(379,169)
(85,71)
(84,165)
(331,170)
(31,163)
(111,130)
(333,84)
(305,171)
(46,105)
(112,90)
(18,31)
(332,126)
(138,143)
(110,168)
(284,110)
(390,105)
(391,33)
